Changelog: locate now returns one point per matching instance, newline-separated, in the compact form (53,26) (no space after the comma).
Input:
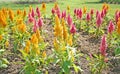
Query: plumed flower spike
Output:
(73,29)
(103,46)
(98,20)
(33,13)
(64,14)
(38,12)
(92,11)
(111,27)
(40,22)
(88,17)
(35,26)
(53,11)
(69,20)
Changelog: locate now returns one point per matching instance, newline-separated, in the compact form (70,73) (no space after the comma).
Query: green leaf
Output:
(23,53)
(117,51)
(66,67)
(5,61)
(3,66)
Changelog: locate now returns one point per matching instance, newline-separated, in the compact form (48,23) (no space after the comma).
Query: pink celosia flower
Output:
(69,20)
(40,22)
(88,17)
(97,12)
(38,12)
(53,11)
(33,13)
(98,20)
(64,14)
(102,13)
(110,27)
(103,46)
(35,26)
(72,29)
(30,18)
(117,16)
(75,11)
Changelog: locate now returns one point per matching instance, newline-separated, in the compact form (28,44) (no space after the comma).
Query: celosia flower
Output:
(111,27)
(79,13)
(30,18)
(70,42)
(84,10)
(88,17)
(92,12)
(118,26)
(64,14)
(7,43)
(43,6)
(102,14)
(24,13)
(56,6)
(44,54)
(72,29)
(30,8)
(38,12)
(40,22)
(56,45)
(69,20)
(27,50)
(35,26)
(75,11)
(34,39)
(3,22)
(28,43)
(33,13)
(65,33)
(99,20)
(117,16)
(1,37)
(22,27)
(97,12)
(18,12)
(11,15)
(53,11)
(103,46)
(68,8)
(38,35)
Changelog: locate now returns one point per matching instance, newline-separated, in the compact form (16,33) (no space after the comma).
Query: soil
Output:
(85,43)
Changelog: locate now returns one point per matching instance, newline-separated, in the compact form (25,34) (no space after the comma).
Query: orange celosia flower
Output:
(56,45)
(56,6)
(24,13)
(118,26)
(27,50)
(22,27)
(34,39)
(3,22)
(28,43)
(1,37)
(43,6)
(38,35)
(84,10)
(11,15)
(19,21)
(19,12)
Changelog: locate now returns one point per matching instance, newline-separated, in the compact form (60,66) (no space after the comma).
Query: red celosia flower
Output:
(38,12)
(30,18)
(110,27)
(33,13)
(64,14)
(40,22)
(92,11)
(53,11)
(80,14)
(103,46)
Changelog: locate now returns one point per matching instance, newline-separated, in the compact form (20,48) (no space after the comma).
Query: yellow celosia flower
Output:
(27,50)
(7,43)
(105,6)
(1,37)
(19,21)
(65,33)
(70,42)
(34,39)
(56,45)
(38,35)
(24,13)
(68,8)
(22,27)
(28,43)
(84,10)
(30,8)
(43,7)
(38,52)
(44,54)
(58,28)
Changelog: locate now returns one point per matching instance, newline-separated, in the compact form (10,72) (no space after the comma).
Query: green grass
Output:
(63,4)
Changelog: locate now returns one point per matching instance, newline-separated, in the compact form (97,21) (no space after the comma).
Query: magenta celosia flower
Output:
(30,18)
(33,13)
(64,14)
(53,11)
(92,11)
(98,20)
(73,29)
(38,12)
(35,26)
(103,46)
(69,20)
(75,11)
(102,14)
(40,22)
(111,27)
(97,12)
(88,17)
(80,14)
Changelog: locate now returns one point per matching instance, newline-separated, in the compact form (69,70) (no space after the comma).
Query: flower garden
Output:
(78,41)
